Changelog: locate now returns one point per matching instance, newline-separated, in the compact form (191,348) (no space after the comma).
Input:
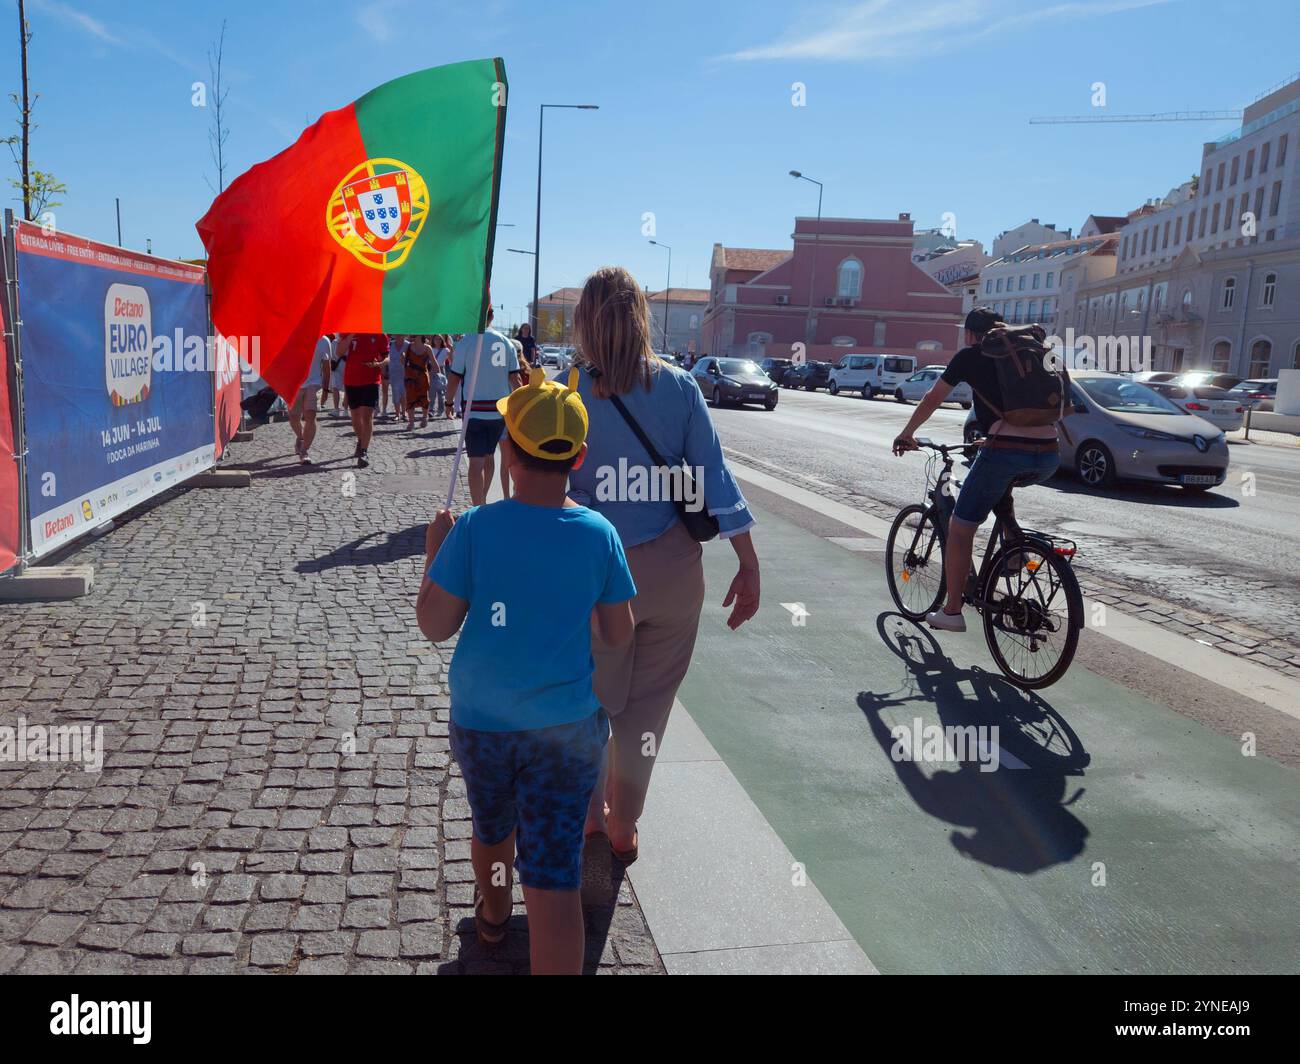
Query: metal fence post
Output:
(15,383)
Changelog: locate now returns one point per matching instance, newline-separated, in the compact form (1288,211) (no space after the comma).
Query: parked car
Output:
(775,367)
(1256,394)
(1221,408)
(550,356)
(870,374)
(1147,376)
(920,382)
(1123,430)
(734,380)
(1201,378)
(815,375)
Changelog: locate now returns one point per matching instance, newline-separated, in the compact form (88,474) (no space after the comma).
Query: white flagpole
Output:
(468,392)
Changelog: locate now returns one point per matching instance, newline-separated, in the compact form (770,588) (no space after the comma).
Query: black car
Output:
(815,375)
(776,368)
(734,380)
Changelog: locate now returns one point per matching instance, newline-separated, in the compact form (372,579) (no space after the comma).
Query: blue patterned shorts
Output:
(540,782)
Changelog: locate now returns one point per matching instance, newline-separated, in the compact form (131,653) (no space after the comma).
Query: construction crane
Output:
(1166,116)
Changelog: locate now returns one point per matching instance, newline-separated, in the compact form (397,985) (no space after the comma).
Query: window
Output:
(1048,306)
(1270,287)
(1144,242)
(1236,165)
(1220,186)
(1214,219)
(1036,277)
(1204,212)
(1021,286)
(999,284)
(988,287)
(1033,310)
(1164,241)
(1019,308)
(1158,296)
(850,279)
(1263,158)
(1178,230)
(1281,149)
(1123,254)
(1276,199)
(1221,356)
(1229,293)
(1250,163)
(1259,204)
(1049,280)
(1261,354)
(1187,299)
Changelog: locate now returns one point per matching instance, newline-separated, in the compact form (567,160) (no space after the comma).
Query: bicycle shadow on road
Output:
(1015,817)
(388,547)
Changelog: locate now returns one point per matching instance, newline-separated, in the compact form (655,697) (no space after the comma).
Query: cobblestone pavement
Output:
(277,793)
(1264,648)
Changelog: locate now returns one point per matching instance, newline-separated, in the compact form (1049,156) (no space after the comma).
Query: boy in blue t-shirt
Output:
(526,727)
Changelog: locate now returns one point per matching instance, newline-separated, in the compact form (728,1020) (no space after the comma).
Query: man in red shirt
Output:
(366,354)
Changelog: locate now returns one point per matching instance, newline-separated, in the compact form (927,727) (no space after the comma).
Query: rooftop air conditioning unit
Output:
(782,300)
(830,301)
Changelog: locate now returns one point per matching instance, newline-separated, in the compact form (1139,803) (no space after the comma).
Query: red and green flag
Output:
(380,219)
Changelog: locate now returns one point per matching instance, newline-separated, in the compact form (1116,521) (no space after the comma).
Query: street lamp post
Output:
(537,236)
(817,238)
(667,288)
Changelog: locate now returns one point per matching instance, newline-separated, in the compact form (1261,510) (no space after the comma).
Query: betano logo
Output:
(377,211)
(128,340)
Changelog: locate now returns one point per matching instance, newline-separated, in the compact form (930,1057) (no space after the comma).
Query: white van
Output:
(871,374)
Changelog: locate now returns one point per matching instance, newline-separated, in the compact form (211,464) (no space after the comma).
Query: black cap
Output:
(981,320)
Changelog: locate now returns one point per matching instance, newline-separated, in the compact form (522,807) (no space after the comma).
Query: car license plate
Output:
(755,395)
(1198,478)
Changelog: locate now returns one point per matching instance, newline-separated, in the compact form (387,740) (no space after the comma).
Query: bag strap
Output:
(638,431)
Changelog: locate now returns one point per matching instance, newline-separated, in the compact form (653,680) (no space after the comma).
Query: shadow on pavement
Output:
(1145,494)
(387,547)
(1016,817)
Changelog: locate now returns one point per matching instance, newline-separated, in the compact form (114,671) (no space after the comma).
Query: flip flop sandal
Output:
(489,933)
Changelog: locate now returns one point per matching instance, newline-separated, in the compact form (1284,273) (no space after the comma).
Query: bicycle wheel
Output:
(1033,610)
(914,561)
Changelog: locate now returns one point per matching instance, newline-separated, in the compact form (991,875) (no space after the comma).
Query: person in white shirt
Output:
(302,414)
(498,375)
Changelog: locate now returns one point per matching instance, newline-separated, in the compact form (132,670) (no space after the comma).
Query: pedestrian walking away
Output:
(637,682)
(529,738)
(395,376)
(302,411)
(498,375)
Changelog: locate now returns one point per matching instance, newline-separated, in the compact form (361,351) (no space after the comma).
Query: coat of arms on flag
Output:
(377,210)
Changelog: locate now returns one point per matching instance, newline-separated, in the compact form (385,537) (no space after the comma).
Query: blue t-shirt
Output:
(523,660)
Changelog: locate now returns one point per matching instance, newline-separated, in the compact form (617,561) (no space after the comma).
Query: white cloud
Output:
(80,19)
(898,29)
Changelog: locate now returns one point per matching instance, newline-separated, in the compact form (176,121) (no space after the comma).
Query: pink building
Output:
(849,285)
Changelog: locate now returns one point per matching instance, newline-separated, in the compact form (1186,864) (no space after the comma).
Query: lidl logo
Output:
(377,211)
(128,343)
(86,511)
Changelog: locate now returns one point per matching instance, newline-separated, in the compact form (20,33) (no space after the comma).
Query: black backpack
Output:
(1031,377)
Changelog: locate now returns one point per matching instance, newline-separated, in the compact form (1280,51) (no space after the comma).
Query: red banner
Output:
(9,517)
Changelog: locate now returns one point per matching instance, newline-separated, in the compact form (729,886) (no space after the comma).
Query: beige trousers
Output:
(637,682)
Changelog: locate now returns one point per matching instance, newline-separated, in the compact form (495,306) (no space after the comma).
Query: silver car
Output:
(1122,430)
(914,388)
(1217,406)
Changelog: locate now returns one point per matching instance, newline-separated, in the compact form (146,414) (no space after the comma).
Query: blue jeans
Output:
(995,470)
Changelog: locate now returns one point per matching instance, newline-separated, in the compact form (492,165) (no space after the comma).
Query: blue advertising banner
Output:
(117,380)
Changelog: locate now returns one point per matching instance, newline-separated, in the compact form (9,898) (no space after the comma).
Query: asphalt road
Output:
(1234,550)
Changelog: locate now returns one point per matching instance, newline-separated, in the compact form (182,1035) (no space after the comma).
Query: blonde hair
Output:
(612,327)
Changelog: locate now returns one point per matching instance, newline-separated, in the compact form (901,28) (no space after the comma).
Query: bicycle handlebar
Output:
(943,448)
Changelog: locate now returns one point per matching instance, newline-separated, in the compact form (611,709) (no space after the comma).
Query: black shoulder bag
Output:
(700,524)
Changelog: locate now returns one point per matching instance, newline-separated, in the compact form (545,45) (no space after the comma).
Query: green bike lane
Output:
(1115,835)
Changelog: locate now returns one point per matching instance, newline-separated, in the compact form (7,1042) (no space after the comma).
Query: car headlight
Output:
(1149,434)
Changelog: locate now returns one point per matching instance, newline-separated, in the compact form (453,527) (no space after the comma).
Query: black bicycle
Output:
(1025,589)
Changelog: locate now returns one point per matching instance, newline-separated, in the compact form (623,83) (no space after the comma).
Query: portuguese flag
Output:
(380,219)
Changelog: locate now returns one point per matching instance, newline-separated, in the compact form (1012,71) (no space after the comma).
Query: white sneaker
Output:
(946,622)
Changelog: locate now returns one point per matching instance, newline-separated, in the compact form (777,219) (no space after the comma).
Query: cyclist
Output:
(1009,457)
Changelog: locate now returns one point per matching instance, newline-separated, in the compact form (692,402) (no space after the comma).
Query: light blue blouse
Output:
(618,474)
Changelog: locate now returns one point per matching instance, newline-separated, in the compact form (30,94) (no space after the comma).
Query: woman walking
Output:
(636,683)
(417,363)
(395,376)
(528,342)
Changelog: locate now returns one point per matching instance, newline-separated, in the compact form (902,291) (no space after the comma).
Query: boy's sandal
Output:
(489,933)
(627,856)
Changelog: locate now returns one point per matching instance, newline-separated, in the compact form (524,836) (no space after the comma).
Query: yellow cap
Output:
(544,412)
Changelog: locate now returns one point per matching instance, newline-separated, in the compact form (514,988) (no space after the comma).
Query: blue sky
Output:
(911,105)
